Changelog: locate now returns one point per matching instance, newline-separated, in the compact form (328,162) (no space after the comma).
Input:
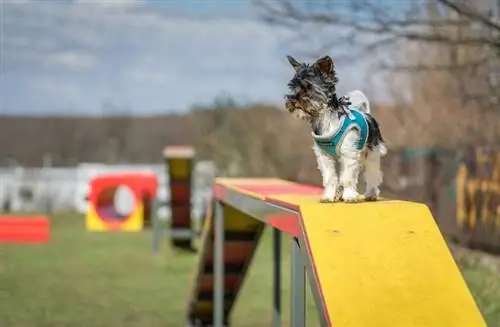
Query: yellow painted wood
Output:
(205,245)
(203,308)
(179,168)
(237,221)
(297,200)
(385,264)
(134,223)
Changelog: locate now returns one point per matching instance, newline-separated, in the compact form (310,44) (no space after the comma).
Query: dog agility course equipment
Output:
(101,212)
(373,264)
(179,163)
(29,229)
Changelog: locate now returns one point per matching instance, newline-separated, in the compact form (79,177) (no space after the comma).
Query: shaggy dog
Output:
(342,128)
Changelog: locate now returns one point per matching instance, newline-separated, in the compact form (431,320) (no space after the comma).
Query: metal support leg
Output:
(219,265)
(277,277)
(298,310)
(156,227)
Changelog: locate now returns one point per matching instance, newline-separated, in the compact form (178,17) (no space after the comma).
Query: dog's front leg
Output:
(350,158)
(326,166)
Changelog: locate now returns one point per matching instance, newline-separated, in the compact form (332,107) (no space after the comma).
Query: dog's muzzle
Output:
(294,103)
(291,103)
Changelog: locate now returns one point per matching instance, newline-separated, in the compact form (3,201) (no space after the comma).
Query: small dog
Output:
(343,130)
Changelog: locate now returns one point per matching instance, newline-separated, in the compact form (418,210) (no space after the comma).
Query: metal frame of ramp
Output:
(373,264)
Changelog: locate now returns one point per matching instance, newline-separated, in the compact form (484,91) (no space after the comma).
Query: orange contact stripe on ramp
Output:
(273,189)
(259,188)
(384,264)
(294,201)
(285,222)
(221,185)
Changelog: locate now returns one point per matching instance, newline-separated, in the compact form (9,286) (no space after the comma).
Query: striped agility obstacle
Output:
(179,163)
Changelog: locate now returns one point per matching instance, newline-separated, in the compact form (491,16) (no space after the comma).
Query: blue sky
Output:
(71,57)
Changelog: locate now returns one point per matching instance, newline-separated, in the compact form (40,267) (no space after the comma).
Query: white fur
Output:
(359,100)
(350,158)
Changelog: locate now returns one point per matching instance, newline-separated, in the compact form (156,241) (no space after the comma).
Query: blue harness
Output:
(355,119)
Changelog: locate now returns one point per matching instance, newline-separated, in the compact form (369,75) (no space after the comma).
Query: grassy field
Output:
(113,279)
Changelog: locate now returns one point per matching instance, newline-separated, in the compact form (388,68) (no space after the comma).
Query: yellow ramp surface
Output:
(385,263)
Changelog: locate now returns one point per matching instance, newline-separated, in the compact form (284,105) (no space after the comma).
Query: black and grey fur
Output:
(313,98)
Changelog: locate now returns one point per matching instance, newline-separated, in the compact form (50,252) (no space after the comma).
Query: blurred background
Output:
(95,86)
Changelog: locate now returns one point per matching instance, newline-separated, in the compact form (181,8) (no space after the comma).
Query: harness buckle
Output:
(350,114)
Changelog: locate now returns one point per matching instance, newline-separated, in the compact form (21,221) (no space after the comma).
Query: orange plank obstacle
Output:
(29,229)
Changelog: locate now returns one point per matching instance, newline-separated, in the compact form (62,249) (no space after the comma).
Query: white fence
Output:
(64,189)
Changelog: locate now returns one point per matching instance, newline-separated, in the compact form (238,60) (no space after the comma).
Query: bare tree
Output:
(467,33)
(390,20)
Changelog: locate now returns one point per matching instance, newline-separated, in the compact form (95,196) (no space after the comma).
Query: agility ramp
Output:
(371,264)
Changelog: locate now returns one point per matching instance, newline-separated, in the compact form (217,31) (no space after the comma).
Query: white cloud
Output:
(138,55)
(71,59)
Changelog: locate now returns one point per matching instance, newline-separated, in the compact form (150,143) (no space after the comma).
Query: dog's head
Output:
(311,88)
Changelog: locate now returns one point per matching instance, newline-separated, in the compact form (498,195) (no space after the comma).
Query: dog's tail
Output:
(359,100)
(375,140)
(381,149)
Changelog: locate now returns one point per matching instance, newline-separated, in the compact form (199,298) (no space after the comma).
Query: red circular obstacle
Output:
(102,212)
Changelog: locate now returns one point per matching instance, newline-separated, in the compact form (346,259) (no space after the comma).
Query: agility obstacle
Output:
(26,229)
(101,212)
(374,264)
(179,163)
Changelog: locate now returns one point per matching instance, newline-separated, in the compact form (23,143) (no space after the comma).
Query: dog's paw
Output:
(350,195)
(338,194)
(372,195)
(371,198)
(329,195)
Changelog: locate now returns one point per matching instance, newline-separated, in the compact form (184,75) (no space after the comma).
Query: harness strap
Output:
(353,119)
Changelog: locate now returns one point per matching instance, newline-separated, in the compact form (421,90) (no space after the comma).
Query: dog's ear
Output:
(325,65)
(295,64)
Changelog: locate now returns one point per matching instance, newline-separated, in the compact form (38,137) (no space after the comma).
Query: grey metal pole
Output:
(156,227)
(219,265)
(277,277)
(298,309)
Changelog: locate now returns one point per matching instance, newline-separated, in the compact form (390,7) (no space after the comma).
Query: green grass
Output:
(113,279)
